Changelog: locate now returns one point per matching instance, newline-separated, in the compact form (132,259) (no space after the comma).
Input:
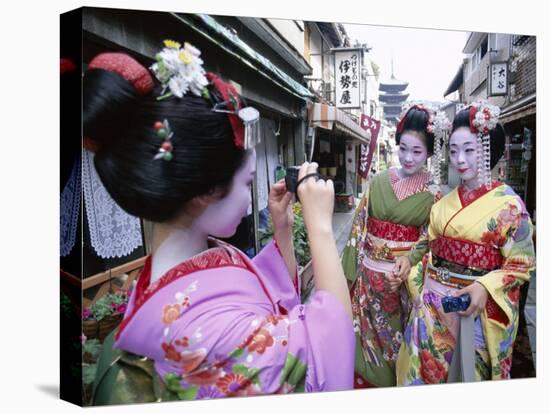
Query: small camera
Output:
(291,179)
(455,303)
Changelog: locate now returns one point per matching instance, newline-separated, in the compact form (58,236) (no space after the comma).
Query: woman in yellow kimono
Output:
(480,239)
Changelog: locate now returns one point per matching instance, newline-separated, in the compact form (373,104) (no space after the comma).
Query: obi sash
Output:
(386,241)
(458,263)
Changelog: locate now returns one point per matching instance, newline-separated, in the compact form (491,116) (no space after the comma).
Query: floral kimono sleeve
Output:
(271,265)
(421,247)
(512,231)
(415,280)
(228,341)
(418,258)
(354,249)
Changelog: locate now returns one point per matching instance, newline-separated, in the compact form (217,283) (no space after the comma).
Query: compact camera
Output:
(455,303)
(291,179)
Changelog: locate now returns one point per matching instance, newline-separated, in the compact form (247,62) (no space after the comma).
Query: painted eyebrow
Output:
(466,143)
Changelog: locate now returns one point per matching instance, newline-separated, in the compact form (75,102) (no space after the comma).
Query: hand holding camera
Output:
(455,303)
(478,299)
(316,196)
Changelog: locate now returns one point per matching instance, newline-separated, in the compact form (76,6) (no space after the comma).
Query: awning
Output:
(231,43)
(456,82)
(329,117)
(520,109)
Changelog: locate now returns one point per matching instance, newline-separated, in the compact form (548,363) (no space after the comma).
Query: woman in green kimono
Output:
(390,222)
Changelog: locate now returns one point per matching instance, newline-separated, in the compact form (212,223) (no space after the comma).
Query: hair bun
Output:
(127,67)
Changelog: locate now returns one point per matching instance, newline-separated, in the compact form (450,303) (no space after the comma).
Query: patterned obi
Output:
(458,263)
(386,241)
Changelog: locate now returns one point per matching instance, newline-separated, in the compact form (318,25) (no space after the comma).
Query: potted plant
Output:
(90,352)
(104,315)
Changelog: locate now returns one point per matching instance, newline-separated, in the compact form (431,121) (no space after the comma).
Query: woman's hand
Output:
(393,281)
(402,268)
(280,208)
(317,198)
(478,298)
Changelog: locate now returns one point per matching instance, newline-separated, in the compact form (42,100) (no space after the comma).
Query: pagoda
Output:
(392,97)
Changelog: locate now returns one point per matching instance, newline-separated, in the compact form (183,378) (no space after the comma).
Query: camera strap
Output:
(462,368)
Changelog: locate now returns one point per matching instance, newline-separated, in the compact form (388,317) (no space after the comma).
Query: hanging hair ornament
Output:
(483,119)
(244,121)
(440,127)
(165,134)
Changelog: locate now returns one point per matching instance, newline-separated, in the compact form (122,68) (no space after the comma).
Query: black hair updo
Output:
(121,122)
(416,120)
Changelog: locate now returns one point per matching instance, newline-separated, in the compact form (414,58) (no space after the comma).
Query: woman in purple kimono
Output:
(214,322)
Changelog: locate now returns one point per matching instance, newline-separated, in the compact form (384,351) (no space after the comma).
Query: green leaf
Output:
(88,373)
(294,370)
(240,369)
(188,394)
(492,225)
(236,353)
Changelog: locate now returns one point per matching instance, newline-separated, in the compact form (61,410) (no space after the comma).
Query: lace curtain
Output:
(113,232)
(69,206)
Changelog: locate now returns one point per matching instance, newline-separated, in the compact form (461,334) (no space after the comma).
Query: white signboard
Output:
(497,79)
(347,72)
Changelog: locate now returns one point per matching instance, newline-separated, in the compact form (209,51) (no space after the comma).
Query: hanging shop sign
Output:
(347,70)
(497,79)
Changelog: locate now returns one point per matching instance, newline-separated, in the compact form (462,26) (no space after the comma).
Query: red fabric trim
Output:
(468,197)
(359,382)
(227,90)
(66,65)
(127,67)
(494,311)
(408,186)
(218,257)
(467,253)
(472,113)
(392,231)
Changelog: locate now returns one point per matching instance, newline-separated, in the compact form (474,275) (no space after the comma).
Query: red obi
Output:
(467,253)
(392,231)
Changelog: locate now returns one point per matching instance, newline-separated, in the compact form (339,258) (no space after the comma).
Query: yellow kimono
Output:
(484,236)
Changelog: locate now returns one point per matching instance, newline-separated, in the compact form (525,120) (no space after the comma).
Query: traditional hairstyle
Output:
(417,119)
(121,116)
(482,119)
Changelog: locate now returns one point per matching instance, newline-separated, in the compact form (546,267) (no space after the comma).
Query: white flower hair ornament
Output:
(180,71)
(483,119)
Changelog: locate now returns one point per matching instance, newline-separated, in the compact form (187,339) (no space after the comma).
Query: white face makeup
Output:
(221,218)
(463,154)
(412,153)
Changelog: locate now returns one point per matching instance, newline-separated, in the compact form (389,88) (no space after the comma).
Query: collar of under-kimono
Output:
(407,186)
(219,255)
(467,197)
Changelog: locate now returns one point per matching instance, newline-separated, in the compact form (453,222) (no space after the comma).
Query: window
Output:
(480,52)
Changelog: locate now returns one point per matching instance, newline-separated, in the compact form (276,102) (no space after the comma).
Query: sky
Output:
(427,59)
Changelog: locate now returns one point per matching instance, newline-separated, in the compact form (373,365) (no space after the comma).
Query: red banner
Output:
(373,126)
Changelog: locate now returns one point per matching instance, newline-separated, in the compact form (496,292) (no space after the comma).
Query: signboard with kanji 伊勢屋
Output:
(347,73)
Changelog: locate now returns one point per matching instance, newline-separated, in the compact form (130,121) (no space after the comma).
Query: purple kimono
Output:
(220,324)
